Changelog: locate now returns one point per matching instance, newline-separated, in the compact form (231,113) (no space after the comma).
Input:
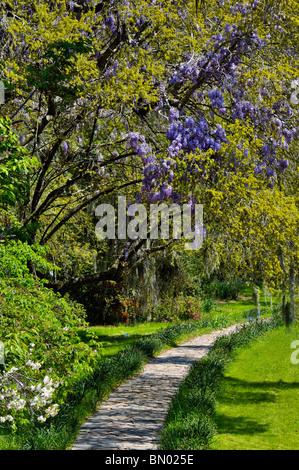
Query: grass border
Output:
(190,421)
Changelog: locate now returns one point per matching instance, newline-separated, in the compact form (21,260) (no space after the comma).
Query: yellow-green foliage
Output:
(91,84)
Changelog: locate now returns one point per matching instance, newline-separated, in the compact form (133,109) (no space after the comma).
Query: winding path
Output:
(132,417)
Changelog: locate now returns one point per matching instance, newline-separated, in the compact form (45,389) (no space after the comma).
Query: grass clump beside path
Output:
(195,421)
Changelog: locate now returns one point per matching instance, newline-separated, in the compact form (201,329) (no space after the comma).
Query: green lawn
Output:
(258,404)
(245,303)
(114,338)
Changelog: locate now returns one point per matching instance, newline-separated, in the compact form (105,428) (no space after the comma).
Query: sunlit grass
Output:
(114,338)
(258,403)
(245,303)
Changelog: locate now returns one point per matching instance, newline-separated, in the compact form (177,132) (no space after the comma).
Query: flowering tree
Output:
(161,101)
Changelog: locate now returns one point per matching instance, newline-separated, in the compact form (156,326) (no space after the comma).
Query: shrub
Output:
(228,290)
(208,304)
(181,308)
(43,352)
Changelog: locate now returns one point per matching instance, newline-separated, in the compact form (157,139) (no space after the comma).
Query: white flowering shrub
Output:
(24,398)
(43,351)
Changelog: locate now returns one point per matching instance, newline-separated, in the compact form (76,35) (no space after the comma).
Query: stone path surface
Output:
(132,417)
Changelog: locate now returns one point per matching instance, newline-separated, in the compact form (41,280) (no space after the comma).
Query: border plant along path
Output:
(133,415)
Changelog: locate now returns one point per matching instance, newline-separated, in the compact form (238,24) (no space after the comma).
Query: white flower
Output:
(47,381)
(2,419)
(33,365)
(20,404)
(47,392)
(42,419)
(17,405)
(52,410)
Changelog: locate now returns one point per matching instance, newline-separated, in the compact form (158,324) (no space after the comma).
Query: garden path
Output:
(132,417)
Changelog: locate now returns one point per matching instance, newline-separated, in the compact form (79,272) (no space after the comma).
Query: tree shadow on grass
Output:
(239,425)
(240,392)
(265,386)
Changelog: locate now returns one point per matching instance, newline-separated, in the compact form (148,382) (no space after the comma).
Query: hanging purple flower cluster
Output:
(217,101)
(265,118)
(220,57)
(244,9)
(191,135)
(111,23)
(157,175)
(138,143)
(111,71)
(218,65)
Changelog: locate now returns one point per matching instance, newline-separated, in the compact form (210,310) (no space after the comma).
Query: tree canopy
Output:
(172,101)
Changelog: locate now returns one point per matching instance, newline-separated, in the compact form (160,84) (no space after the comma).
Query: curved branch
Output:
(85,203)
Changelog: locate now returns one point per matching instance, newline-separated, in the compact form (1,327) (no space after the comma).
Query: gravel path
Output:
(132,417)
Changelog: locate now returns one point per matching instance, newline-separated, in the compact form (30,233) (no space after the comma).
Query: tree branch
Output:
(86,202)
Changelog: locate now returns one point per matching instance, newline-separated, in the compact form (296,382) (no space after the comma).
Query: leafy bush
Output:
(221,289)
(181,308)
(150,346)
(208,304)
(228,290)
(15,164)
(43,352)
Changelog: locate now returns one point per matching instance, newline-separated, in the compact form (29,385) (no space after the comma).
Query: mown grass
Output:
(245,304)
(191,423)
(114,338)
(258,404)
